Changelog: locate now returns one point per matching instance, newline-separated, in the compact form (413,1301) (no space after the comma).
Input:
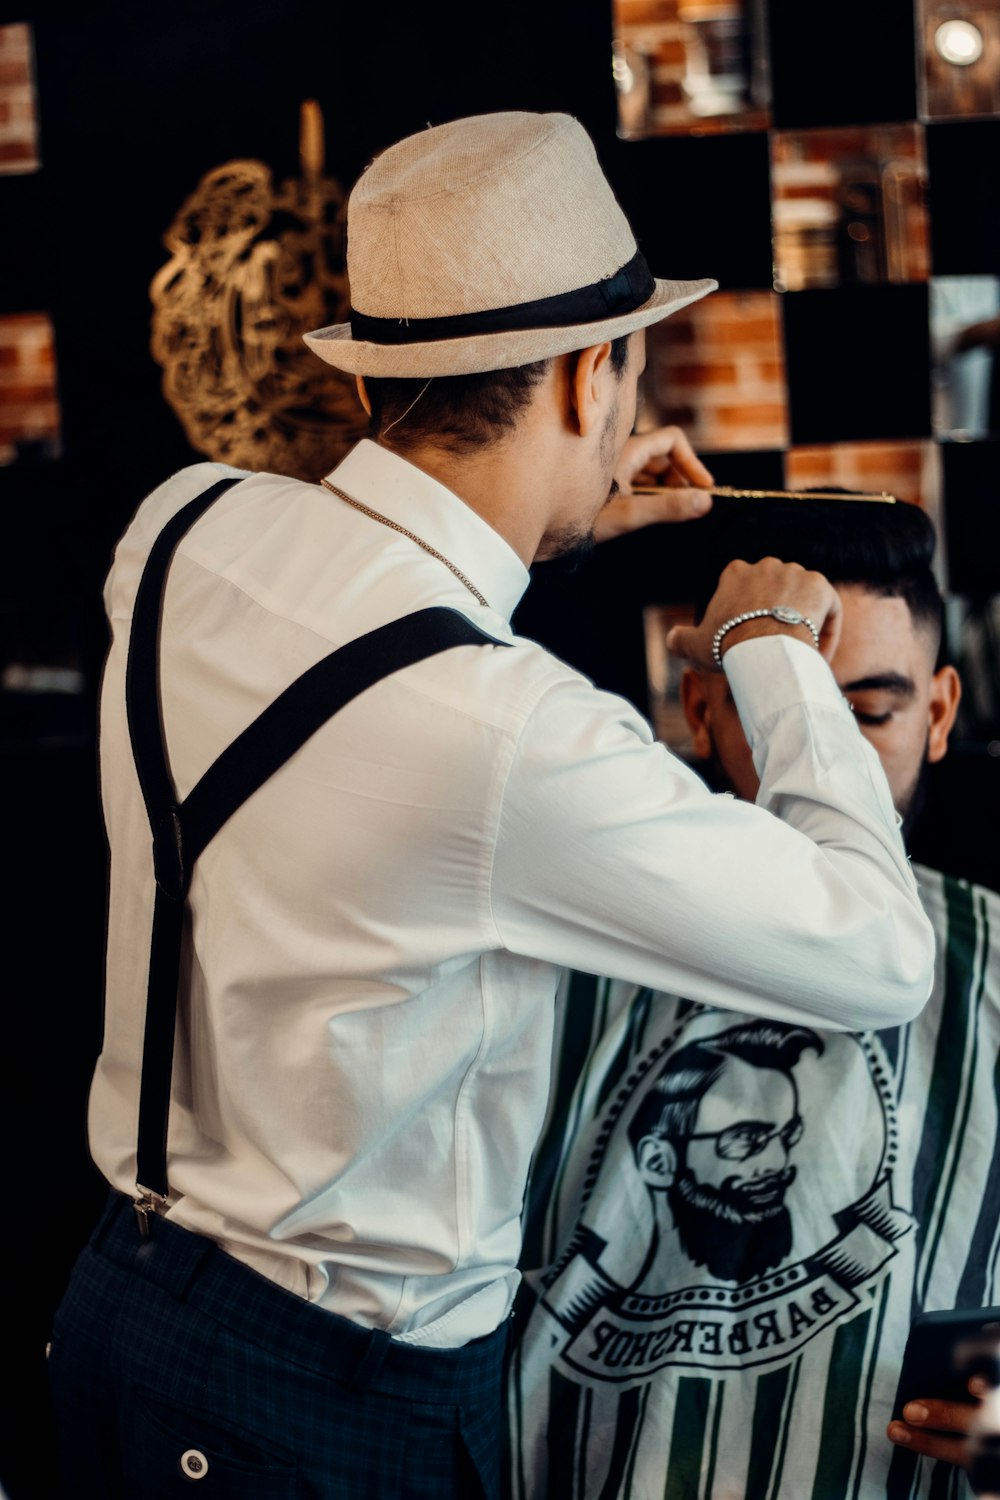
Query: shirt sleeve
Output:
(614,858)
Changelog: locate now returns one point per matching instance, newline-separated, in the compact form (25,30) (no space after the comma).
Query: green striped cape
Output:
(749,1346)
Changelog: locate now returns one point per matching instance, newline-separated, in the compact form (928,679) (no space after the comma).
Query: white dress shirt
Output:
(365,1018)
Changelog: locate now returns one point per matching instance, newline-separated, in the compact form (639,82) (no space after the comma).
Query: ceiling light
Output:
(959,42)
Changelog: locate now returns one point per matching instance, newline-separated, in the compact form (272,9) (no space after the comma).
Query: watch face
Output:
(786,614)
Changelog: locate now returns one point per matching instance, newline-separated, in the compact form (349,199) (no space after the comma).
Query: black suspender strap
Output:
(142,702)
(182,830)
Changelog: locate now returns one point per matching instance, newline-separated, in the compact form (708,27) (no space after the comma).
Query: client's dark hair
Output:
(886,549)
(460,412)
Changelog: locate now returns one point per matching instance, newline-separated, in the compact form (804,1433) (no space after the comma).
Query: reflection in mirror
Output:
(958,45)
(965,340)
(29,402)
(663,675)
(849,206)
(717,369)
(18,107)
(690,67)
(44,654)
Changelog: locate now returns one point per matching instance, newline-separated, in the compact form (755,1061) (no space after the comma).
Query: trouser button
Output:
(194,1464)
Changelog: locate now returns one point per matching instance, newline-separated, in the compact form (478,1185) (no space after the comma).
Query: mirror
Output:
(29,399)
(958,49)
(690,67)
(849,206)
(965,339)
(18,105)
(717,369)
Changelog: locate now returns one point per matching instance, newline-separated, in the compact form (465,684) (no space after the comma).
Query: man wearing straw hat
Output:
(304,1286)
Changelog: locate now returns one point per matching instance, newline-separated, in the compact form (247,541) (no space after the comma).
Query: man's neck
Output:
(517,483)
(494,482)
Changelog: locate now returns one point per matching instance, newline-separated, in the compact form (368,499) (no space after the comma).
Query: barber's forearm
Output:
(820,776)
(613,858)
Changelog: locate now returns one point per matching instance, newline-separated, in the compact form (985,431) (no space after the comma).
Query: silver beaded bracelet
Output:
(783,612)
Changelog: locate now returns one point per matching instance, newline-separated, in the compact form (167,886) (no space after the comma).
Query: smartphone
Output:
(943,1349)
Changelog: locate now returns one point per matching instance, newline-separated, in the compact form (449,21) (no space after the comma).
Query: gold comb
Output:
(729,493)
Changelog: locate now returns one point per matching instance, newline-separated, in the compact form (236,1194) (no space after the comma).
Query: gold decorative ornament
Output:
(252,268)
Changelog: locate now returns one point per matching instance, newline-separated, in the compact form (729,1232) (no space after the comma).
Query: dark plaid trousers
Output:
(175,1370)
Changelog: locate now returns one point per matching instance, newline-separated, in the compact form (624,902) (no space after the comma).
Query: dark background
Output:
(136,103)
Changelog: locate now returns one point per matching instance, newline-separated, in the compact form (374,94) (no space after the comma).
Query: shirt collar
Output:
(403,493)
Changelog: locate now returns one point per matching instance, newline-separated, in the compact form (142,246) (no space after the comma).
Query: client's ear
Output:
(946,693)
(695,704)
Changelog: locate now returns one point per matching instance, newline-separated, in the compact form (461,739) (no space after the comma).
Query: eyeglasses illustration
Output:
(740,1142)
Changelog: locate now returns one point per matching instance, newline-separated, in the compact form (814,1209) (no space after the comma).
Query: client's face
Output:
(884,666)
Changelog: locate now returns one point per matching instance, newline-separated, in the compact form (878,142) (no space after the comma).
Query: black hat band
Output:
(622,293)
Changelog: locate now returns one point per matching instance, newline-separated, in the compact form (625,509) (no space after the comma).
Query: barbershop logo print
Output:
(725,1223)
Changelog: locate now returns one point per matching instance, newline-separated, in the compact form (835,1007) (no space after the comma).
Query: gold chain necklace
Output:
(365,510)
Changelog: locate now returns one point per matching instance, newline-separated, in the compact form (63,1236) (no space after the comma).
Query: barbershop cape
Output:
(743,1338)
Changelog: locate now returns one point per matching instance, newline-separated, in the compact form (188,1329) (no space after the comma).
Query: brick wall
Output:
(908,470)
(849,205)
(681,68)
(18,122)
(717,369)
(29,405)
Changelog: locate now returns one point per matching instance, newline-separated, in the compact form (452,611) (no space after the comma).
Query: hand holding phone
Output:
(943,1352)
(935,1412)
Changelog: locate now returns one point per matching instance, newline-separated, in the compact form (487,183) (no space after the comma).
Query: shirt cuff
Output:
(770,673)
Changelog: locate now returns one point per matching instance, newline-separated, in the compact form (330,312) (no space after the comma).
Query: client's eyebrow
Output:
(886,682)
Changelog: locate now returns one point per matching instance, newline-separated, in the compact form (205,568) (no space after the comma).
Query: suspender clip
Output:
(147,1203)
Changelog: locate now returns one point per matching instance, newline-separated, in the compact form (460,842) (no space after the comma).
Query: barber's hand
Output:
(938,1429)
(747,586)
(663,458)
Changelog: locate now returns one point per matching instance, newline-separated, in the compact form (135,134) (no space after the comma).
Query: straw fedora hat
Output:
(485,243)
